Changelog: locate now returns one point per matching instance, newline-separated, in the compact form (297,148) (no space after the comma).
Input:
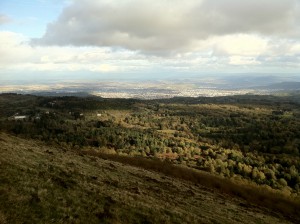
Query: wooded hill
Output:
(252,139)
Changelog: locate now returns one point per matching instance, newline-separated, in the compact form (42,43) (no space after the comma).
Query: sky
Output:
(106,39)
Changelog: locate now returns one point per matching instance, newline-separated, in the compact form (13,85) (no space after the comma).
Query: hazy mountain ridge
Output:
(283,86)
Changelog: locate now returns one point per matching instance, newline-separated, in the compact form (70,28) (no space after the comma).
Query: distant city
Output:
(149,89)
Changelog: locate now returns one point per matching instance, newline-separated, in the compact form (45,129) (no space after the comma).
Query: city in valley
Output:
(151,89)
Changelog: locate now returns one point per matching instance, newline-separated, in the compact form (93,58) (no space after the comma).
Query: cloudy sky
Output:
(91,39)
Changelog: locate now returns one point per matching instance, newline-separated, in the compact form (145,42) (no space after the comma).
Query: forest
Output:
(247,138)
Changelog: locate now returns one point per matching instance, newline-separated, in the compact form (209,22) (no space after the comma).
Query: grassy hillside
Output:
(43,184)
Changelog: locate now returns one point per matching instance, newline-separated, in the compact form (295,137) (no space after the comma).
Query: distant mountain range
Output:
(281,86)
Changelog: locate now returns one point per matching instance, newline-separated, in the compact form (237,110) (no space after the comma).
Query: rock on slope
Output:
(43,184)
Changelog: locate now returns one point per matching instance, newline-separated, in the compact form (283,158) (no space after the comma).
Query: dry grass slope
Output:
(252,193)
(42,184)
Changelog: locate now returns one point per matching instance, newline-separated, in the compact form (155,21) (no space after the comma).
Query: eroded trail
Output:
(44,184)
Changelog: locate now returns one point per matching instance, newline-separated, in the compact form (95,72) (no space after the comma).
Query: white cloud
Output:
(168,36)
(16,54)
(103,68)
(241,60)
(295,49)
(219,54)
(168,27)
(240,44)
(11,48)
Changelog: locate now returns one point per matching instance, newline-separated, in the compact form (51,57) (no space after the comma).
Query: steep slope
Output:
(42,184)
